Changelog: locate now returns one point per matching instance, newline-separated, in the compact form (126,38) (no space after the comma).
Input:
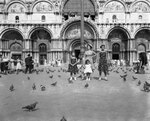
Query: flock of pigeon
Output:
(125,70)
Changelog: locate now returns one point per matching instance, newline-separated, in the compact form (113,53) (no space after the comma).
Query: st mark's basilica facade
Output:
(50,29)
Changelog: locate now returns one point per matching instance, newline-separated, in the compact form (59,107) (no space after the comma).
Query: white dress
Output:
(18,67)
(88,68)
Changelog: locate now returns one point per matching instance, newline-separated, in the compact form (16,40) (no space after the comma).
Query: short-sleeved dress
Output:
(73,68)
(103,62)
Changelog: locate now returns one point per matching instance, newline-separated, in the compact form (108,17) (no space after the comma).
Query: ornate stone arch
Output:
(119,1)
(13,29)
(69,22)
(123,29)
(132,7)
(37,28)
(40,1)
(13,2)
(140,29)
(63,3)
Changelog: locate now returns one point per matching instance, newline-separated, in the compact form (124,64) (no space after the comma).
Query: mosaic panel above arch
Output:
(140,7)
(43,7)
(16,8)
(16,47)
(114,6)
(74,32)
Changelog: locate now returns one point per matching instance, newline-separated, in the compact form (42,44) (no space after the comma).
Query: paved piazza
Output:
(112,100)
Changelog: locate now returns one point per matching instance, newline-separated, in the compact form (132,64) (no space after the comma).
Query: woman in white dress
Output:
(18,66)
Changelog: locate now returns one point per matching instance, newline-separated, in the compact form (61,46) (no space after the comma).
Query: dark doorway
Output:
(115,56)
(116,51)
(77,53)
(42,53)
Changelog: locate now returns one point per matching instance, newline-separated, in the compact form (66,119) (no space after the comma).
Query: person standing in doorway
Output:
(102,65)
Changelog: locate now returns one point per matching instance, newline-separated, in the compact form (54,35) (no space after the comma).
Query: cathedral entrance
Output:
(115,51)
(42,53)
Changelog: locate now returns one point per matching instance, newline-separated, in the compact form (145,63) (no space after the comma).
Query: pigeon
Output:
(70,81)
(86,85)
(123,76)
(63,119)
(0,76)
(12,88)
(59,76)
(51,76)
(134,78)
(37,72)
(54,84)
(43,88)
(139,83)
(34,86)
(58,70)
(30,107)
(28,78)
(47,72)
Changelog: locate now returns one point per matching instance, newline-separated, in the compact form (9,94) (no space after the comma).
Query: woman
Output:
(89,54)
(102,66)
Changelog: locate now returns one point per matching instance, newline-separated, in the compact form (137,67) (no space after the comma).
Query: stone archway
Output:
(119,38)
(38,37)
(12,40)
(72,33)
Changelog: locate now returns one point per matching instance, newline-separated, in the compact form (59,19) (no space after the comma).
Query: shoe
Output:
(75,78)
(70,78)
(106,79)
(89,79)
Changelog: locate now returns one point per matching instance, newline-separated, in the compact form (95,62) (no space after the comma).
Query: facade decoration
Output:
(122,25)
(16,8)
(141,7)
(114,6)
(43,7)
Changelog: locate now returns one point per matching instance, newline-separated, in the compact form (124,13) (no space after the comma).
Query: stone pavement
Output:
(112,100)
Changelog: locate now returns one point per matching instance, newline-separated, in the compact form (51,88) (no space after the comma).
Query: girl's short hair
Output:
(87,61)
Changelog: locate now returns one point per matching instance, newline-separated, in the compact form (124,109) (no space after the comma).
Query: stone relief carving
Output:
(114,7)
(16,8)
(43,7)
(1,8)
(140,7)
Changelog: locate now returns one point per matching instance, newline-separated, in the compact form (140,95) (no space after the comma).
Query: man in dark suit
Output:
(28,62)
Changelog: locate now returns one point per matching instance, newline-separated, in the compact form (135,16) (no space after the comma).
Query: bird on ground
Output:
(43,88)
(30,107)
(59,76)
(0,76)
(54,84)
(58,70)
(12,88)
(86,85)
(28,78)
(123,76)
(63,119)
(34,86)
(70,81)
(134,78)
(139,83)
(47,72)
(37,72)
(51,76)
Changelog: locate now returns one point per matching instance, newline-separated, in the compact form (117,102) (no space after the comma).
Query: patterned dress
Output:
(73,68)
(103,62)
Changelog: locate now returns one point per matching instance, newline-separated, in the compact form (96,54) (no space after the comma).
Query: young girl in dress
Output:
(73,69)
(88,70)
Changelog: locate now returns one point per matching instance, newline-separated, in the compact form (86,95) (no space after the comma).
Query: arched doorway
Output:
(118,44)
(42,53)
(71,38)
(116,51)
(12,40)
(142,42)
(41,39)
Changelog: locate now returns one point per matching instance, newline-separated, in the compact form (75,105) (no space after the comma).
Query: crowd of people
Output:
(85,64)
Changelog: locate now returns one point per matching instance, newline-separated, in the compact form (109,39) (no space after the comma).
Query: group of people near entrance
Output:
(87,67)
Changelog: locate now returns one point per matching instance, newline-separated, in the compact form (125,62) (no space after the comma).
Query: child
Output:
(88,69)
(73,69)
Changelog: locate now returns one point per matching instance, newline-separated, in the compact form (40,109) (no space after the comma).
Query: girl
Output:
(103,67)
(88,69)
(73,69)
